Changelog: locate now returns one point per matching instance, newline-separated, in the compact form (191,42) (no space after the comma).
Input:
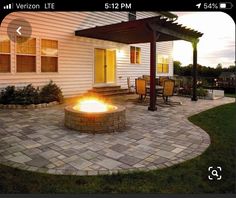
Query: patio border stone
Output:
(29,106)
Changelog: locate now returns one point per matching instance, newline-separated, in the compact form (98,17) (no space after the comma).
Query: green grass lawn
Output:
(188,177)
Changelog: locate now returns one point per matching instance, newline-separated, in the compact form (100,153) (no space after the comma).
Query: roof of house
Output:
(140,31)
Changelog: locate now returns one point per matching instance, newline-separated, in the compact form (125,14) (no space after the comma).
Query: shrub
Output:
(187,91)
(27,95)
(201,92)
(51,92)
(8,95)
(30,95)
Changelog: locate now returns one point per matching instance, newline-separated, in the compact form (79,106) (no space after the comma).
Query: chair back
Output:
(140,85)
(147,78)
(162,79)
(168,87)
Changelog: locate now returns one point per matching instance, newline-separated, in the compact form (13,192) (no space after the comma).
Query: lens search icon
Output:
(214,173)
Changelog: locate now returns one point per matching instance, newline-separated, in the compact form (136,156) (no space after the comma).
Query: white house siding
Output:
(76,54)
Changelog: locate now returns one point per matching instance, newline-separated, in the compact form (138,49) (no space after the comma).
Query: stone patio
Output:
(37,140)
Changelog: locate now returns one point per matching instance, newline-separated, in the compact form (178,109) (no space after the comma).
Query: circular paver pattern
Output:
(37,140)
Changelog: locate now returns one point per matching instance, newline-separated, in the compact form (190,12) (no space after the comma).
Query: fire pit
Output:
(92,115)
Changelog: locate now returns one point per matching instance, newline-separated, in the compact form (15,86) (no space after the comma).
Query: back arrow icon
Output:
(18,30)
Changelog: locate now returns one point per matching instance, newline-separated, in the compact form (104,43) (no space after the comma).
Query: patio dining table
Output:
(158,87)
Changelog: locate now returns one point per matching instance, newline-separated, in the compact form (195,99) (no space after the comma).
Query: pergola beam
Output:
(120,31)
(168,31)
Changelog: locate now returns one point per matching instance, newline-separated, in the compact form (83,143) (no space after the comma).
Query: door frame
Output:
(94,69)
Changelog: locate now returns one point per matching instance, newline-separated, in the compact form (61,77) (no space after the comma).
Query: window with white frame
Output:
(49,55)
(162,63)
(25,54)
(135,55)
(5,57)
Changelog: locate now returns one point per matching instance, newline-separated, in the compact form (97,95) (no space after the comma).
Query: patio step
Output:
(108,90)
(109,87)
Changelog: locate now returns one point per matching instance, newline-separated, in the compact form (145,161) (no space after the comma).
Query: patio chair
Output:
(147,78)
(178,87)
(168,89)
(140,85)
(162,79)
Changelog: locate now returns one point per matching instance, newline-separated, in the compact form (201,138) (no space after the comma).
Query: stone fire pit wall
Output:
(102,122)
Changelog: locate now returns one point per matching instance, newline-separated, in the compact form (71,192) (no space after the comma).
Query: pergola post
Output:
(194,71)
(152,103)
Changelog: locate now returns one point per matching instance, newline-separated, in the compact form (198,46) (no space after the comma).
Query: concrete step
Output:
(108,90)
(104,90)
(122,91)
(112,87)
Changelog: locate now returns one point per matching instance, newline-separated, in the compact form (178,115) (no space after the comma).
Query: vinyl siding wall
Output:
(76,54)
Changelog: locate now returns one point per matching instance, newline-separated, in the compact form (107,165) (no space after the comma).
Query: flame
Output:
(91,105)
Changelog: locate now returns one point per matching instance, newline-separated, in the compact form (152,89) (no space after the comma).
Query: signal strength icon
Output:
(8,6)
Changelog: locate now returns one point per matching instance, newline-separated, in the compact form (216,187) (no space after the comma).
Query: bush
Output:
(201,92)
(8,95)
(27,95)
(51,92)
(30,95)
(187,91)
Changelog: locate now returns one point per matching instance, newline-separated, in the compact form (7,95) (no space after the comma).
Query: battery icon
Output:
(226,5)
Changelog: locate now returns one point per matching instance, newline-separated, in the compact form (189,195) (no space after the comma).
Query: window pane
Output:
(26,63)
(49,64)
(26,47)
(138,51)
(165,68)
(162,58)
(159,68)
(5,63)
(49,47)
(132,54)
(165,60)
(4,44)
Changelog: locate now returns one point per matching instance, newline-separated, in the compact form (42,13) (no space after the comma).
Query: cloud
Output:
(217,45)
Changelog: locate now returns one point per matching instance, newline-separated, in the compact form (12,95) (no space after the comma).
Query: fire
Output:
(91,105)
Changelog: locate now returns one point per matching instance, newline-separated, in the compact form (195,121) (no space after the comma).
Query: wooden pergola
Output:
(148,30)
